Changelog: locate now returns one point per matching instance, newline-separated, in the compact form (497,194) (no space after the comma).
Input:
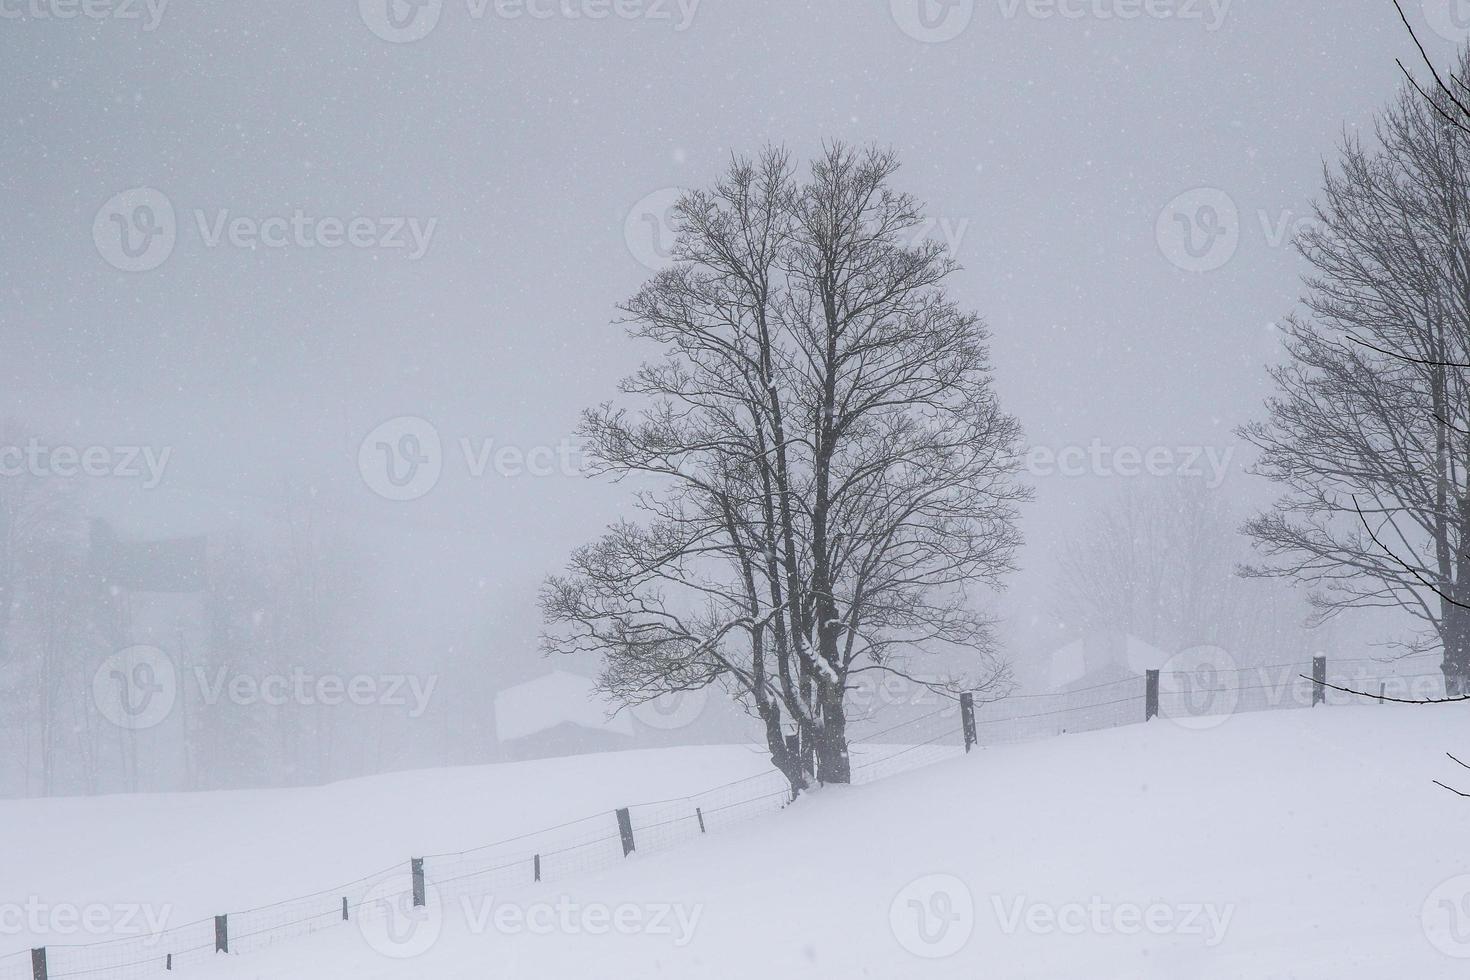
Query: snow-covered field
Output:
(1293,844)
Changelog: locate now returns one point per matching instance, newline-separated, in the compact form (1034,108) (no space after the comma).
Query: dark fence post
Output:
(416,865)
(168,962)
(1151,696)
(625,828)
(967,719)
(38,963)
(222,934)
(700,815)
(536,867)
(344,908)
(1319,678)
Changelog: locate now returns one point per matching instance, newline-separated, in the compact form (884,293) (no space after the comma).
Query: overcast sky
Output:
(507,164)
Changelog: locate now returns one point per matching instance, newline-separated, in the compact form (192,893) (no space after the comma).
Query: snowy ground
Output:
(1294,844)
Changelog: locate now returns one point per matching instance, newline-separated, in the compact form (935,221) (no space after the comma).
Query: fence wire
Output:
(910,737)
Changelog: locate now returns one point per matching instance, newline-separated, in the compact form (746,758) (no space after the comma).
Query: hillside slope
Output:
(1295,844)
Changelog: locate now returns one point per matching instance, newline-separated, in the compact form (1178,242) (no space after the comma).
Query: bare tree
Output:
(822,461)
(1369,433)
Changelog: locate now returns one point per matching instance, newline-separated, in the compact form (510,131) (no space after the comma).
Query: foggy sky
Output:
(1055,142)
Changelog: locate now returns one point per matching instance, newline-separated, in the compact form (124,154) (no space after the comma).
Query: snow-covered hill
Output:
(1294,844)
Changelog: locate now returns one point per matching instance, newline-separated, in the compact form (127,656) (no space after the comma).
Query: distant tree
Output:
(1369,432)
(823,465)
(1160,561)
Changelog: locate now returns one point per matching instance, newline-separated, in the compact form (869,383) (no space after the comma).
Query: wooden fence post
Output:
(222,934)
(967,720)
(625,829)
(699,814)
(1319,678)
(344,908)
(416,865)
(38,963)
(1151,696)
(536,867)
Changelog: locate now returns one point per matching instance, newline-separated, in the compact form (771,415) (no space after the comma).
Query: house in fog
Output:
(1102,658)
(558,714)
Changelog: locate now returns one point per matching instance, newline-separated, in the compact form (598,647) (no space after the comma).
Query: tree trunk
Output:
(1456,640)
(833,764)
(788,764)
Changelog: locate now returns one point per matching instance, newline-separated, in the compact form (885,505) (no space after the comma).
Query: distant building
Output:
(1103,658)
(558,714)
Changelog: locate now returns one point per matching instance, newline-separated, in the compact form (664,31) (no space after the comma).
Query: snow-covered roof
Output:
(1092,654)
(554,699)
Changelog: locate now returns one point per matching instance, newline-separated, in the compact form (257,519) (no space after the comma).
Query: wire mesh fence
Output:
(1193,693)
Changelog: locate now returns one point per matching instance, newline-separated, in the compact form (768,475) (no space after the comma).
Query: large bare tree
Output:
(1369,434)
(824,470)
